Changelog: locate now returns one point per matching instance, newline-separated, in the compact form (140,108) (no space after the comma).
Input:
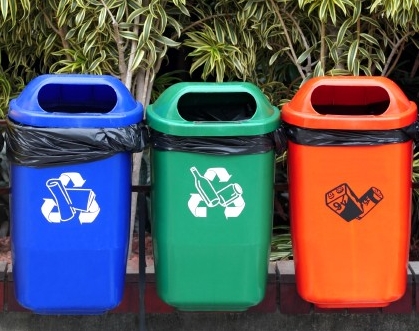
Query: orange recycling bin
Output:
(350,153)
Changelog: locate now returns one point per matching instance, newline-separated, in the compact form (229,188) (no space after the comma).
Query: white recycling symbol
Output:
(229,197)
(69,200)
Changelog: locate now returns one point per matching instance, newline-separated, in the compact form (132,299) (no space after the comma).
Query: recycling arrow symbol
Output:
(229,197)
(69,199)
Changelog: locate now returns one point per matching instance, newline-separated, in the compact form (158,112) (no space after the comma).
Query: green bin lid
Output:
(213,109)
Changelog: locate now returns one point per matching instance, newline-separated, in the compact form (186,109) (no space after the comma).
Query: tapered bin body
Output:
(350,165)
(212,180)
(70,219)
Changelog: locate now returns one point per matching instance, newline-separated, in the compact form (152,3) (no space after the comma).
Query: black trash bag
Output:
(237,145)
(42,147)
(331,137)
(1,140)
(280,140)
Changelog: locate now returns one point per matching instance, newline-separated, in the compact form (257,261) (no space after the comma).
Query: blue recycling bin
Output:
(69,141)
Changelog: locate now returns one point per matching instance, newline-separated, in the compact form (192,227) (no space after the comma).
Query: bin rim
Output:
(166,119)
(400,113)
(26,110)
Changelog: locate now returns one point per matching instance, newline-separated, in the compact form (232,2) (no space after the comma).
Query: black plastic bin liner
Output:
(41,147)
(240,145)
(323,137)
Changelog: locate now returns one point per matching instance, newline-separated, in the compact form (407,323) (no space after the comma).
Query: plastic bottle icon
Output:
(205,189)
(62,199)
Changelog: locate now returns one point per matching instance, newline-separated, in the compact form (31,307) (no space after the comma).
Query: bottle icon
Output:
(62,199)
(205,189)
(229,194)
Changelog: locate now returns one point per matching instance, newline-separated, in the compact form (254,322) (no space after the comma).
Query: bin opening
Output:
(350,100)
(77,98)
(213,107)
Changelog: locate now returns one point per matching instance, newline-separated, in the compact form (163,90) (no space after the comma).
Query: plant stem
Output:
(395,49)
(303,38)
(294,56)
(203,20)
(61,32)
(323,45)
(119,44)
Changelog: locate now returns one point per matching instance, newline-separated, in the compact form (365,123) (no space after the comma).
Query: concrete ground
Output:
(180,321)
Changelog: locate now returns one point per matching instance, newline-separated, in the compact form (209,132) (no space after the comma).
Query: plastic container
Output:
(350,166)
(71,192)
(212,182)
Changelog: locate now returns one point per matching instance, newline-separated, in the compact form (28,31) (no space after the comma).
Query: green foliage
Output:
(10,86)
(327,9)
(404,13)
(277,44)
(415,175)
(127,39)
(162,82)
(281,245)
(211,51)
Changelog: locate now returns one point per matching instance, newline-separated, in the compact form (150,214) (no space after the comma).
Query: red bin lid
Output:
(350,103)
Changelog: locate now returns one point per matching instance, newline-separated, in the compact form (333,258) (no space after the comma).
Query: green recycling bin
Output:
(212,177)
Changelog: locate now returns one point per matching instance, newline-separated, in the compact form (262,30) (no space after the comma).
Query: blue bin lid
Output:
(76,101)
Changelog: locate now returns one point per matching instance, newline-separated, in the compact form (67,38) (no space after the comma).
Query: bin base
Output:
(352,305)
(212,308)
(60,312)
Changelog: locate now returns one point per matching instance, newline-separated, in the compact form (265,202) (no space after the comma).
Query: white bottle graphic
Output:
(205,189)
(229,194)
